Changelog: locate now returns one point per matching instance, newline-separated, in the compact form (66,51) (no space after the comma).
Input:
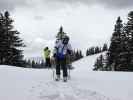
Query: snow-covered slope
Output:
(37,84)
(86,63)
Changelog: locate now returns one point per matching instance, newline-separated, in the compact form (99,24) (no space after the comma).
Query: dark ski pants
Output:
(48,63)
(61,64)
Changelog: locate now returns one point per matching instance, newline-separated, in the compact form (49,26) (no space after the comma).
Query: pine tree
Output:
(99,64)
(114,49)
(77,55)
(61,33)
(123,56)
(92,50)
(129,33)
(108,67)
(96,65)
(43,64)
(126,54)
(87,52)
(105,47)
(97,50)
(10,42)
(2,39)
(29,63)
(33,64)
(80,54)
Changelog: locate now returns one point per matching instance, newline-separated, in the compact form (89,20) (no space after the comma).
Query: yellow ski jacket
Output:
(47,53)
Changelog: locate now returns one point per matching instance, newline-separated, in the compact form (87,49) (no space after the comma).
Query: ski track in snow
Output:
(38,84)
(52,90)
(71,90)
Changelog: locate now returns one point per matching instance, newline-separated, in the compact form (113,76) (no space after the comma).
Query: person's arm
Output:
(54,52)
(69,50)
(49,52)
(55,49)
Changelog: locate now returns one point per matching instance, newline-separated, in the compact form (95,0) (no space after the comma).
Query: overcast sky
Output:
(87,22)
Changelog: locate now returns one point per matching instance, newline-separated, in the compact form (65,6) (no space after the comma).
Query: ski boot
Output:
(57,78)
(64,79)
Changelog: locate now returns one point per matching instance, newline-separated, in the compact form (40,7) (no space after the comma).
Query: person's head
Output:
(65,39)
(46,48)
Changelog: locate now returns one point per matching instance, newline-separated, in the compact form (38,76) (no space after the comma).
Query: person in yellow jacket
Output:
(47,57)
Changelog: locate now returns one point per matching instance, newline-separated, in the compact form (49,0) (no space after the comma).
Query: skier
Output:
(47,57)
(61,50)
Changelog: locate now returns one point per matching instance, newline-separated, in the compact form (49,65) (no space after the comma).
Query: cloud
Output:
(11,4)
(119,4)
(35,47)
(38,18)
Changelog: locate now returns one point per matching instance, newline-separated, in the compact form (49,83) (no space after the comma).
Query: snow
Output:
(86,63)
(37,84)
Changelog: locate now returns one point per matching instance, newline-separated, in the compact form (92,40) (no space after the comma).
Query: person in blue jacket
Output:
(61,50)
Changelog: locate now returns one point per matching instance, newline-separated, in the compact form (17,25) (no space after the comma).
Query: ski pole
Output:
(53,73)
(69,72)
(53,68)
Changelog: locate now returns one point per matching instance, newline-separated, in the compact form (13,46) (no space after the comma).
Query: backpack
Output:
(61,55)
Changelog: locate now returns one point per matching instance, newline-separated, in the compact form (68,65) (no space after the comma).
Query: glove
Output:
(54,55)
(69,52)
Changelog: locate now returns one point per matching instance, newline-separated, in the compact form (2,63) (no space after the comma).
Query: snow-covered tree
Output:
(99,64)
(105,47)
(2,39)
(125,57)
(115,46)
(10,42)
(97,50)
(129,33)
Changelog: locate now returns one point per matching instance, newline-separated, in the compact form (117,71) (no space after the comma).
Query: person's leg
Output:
(49,63)
(46,62)
(64,67)
(57,67)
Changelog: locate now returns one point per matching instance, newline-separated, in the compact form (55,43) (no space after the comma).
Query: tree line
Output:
(40,63)
(94,50)
(119,56)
